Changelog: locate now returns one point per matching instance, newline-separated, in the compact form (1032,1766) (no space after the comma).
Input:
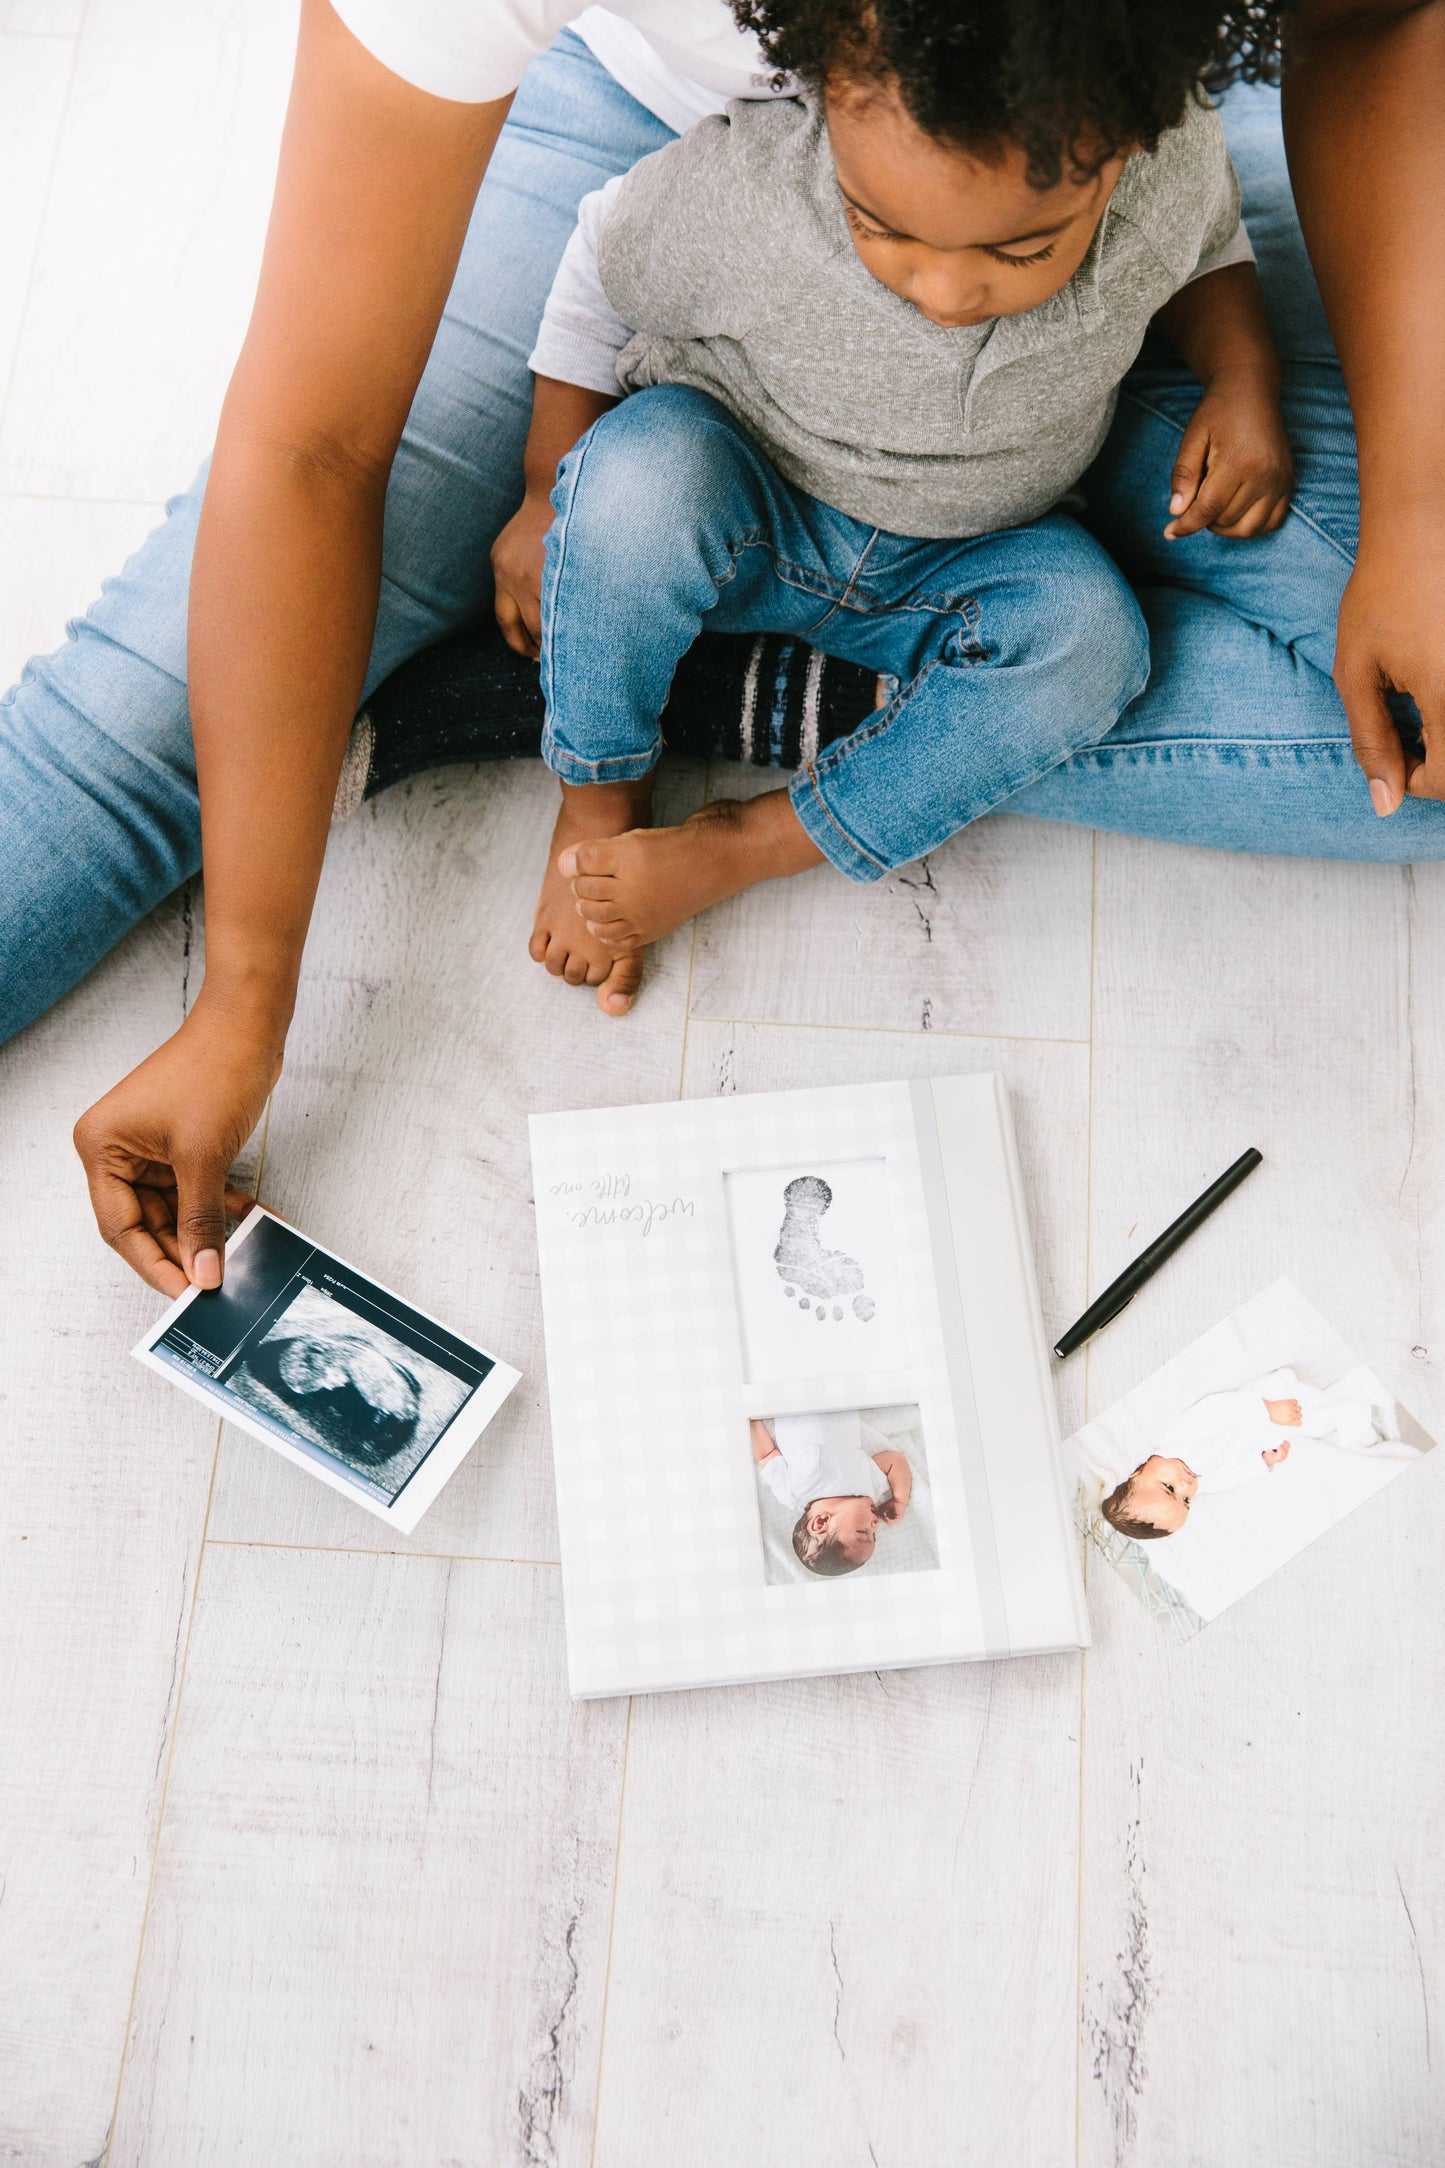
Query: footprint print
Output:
(814,1277)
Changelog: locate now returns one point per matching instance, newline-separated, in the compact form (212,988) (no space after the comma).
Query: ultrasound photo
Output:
(346,1385)
(330,1368)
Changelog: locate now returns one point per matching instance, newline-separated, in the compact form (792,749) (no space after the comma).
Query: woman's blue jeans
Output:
(1239,740)
(1007,653)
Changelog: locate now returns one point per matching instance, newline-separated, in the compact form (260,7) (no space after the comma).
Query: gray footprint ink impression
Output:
(810,1274)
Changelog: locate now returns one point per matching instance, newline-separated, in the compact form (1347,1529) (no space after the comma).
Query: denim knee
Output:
(650,483)
(1096,643)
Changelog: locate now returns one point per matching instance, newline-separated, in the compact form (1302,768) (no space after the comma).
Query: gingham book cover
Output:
(802,1416)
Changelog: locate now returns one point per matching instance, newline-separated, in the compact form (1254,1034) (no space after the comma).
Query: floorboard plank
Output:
(846,1916)
(172,125)
(379,1927)
(1263,1919)
(989,935)
(101,1513)
(34,74)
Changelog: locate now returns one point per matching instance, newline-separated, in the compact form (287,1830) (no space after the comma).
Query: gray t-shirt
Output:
(726,263)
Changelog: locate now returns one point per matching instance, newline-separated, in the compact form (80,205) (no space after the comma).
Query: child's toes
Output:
(576,970)
(618,940)
(599,913)
(537,946)
(585,858)
(618,990)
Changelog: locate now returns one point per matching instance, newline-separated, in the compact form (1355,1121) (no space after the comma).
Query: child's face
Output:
(961,238)
(851,1523)
(1161,1490)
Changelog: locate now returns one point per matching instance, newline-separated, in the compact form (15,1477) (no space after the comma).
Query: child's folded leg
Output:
(1011,653)
(662,506)
(1034,658)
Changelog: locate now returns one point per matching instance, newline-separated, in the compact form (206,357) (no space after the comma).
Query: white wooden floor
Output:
(304,1856)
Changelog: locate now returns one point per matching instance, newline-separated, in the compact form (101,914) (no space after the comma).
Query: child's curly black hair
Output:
(1072,81)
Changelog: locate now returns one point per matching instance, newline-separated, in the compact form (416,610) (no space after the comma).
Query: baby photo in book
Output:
(843,1491)
(1231,1459)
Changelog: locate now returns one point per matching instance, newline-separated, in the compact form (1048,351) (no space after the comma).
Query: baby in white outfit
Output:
(1224,1440)
(820,1467)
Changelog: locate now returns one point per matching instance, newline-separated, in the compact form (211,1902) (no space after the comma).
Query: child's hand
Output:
(1235,470)
(892,1509)
(517,570)
(1284,1411)
(1274,1454)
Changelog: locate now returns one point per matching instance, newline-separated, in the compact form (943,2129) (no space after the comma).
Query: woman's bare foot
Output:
(559,939)
(636,886)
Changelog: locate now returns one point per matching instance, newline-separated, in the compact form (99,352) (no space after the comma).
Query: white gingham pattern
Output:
(661,1553)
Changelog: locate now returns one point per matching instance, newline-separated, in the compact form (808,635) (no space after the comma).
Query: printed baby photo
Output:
(1228,1461)
(813,1265)
(843,1492)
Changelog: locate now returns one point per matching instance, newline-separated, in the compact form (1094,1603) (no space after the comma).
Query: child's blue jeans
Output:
(1001,656)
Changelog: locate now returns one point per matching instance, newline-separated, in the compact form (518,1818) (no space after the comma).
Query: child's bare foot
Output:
(634,887)
(559,939)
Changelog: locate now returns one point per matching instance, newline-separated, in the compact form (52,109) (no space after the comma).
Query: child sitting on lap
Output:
(874,334)
(818,1463)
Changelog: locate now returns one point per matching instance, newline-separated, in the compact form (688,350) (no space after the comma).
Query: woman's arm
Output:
(374,190)
(1364,111)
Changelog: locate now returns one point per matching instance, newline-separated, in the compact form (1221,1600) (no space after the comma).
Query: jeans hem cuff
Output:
(824,829)
(622,768)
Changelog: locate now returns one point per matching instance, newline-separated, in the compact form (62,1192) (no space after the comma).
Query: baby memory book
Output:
(801,1407)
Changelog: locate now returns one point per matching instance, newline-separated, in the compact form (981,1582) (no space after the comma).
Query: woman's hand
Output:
(517,569)
(1392,636)
(158,1148)
(1235,471)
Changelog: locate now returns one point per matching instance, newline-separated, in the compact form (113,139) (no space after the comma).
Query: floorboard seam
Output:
(363,1550)
(892,1031)
(65,496)
(40,224)
(611,1933)
(1083,1653)
(165,1796)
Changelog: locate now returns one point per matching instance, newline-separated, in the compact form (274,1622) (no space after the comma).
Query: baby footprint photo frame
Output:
(801,1410)
(815,1269)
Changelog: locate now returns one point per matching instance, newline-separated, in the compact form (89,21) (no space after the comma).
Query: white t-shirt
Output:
(681,59)
(822,1456)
